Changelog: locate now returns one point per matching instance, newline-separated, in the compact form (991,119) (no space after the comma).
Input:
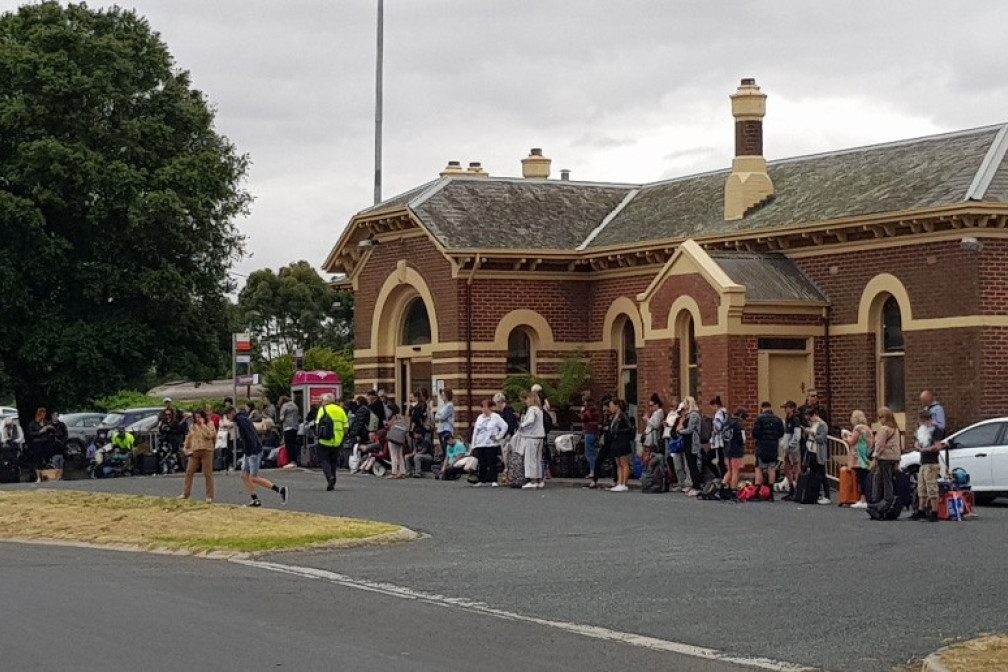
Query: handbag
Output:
(675,446)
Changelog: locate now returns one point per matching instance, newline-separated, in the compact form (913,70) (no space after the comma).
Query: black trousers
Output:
(603,456)
(487,456)
(707,462)
(694,469)
(328,456)
(290,440)
(820,471)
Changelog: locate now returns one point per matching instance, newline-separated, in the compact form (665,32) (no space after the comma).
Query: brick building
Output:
(868,273)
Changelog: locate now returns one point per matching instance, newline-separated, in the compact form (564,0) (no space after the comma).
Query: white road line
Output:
(485,609)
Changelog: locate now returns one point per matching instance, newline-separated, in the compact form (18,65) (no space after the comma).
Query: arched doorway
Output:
(413,367)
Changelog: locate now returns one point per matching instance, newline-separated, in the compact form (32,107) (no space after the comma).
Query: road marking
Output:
(464,604)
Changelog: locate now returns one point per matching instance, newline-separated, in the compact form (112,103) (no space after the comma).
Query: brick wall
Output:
(693,285)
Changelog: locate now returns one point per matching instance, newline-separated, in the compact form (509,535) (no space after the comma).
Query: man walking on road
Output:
(252,450)
(330,425)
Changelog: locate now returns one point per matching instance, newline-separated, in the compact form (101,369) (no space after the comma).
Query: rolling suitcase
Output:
(903,489)
(850,493)
(808,488)
(516,470)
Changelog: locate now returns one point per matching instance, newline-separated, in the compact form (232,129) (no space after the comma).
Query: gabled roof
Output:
(465,213)
(768,278)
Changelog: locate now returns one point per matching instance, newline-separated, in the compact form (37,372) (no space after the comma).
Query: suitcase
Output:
(808,488)
(146,464)
(564,465)
(307,457)
(516,470)
(903,489)
(220,459)
(580,466)
(850,493)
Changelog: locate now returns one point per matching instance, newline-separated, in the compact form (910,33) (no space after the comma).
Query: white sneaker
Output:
(476,485)
(859,505)
(494,484)
(824,500)
(614,488)
(529,486)
(540,485)
(684,489)
(692,493)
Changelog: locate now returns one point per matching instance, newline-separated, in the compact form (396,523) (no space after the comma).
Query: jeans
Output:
(290,440)
(443,437)
(487,456)
(864,482)
(414,463)
(328,456)
(882,484)
(591,441)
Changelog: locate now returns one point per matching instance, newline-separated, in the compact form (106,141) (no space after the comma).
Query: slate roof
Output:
(905,175)
(503,213)
(768,278)
(516,213)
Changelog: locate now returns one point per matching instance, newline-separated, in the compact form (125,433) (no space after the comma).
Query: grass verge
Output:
(171,524)
(984,654)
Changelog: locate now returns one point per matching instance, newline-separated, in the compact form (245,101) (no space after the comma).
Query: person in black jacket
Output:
(359,424)
(767,430)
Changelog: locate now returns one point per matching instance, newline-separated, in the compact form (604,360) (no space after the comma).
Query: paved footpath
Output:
(549,579)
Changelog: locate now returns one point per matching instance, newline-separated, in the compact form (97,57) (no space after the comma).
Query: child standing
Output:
(929,437)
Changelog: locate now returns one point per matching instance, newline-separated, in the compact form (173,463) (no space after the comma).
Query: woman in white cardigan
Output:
(532,433)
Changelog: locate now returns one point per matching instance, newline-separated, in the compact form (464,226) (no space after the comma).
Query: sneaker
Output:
(614,488)
(331,485)
(254,503)
(476,485)
(540,485)
(284,495)
(494,484)
(684,489)
(918,515)
(529,486)
(859,505)
(692,492)
(824,500)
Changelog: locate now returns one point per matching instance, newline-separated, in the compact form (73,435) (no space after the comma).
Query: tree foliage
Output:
(117,208)
(294,308)
(276,380)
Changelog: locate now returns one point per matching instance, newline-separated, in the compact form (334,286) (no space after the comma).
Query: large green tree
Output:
(294,308)
(117,207)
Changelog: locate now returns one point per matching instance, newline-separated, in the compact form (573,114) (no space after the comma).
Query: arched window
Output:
(689,356)
(519,358)
(416,326)
(891,352)
(628,364)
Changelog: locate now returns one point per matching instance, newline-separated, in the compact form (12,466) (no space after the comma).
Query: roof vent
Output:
(453,168)
(535,166)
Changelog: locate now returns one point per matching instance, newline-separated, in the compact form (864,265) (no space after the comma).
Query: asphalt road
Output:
(817,586)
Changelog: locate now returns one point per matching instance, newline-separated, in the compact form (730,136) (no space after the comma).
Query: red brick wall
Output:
(993,273)
(693,285)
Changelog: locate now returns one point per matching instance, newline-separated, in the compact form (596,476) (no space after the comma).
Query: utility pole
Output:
(378,105)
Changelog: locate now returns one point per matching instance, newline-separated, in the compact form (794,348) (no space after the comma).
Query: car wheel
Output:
(983,500)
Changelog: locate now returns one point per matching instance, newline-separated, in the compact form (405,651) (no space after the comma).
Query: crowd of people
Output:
(679,447)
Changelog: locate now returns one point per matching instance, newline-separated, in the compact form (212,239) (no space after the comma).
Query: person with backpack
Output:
(818,452)
(767,430)
(330,426)
(733,440)
(689,432)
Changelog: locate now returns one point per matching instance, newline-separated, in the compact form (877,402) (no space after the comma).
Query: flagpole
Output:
(378,104)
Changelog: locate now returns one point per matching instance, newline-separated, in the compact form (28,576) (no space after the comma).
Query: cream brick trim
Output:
(620,307)
(394,297)
(534,322)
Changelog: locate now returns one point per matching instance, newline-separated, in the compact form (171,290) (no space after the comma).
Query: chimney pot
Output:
(476,170)
(565,174)
(535,166)
(453,168)
(749,81)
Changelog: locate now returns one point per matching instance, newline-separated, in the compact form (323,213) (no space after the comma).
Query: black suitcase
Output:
(808,488)
(146,464)
(564,465)
(220,456)
(580,466)
(902,488)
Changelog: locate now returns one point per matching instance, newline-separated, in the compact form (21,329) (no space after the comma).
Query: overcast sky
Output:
(615,90)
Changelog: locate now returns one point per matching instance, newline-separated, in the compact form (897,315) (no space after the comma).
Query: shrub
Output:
(124,399)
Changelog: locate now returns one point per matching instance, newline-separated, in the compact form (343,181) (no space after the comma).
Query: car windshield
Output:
(113,419)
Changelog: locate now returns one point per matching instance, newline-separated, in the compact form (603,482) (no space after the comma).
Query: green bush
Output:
(575,376)
(515,385)
(124,399)
(276,379)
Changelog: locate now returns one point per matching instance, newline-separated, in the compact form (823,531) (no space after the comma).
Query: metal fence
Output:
(837,457)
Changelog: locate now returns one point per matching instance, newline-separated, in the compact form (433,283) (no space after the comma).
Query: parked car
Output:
(982,450)
(82,429)
(7,410)
(125,417)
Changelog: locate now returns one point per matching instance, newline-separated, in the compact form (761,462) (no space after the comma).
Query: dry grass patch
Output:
(979,655)
(171,524)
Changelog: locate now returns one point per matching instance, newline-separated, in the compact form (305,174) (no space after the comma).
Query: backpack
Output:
(711,490)
(882,511)
(747,493)
(764,493)
(706,428)
(326,428)
(547,421)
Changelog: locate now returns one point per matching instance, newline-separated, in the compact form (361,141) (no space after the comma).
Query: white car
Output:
(7,410)
(980,449)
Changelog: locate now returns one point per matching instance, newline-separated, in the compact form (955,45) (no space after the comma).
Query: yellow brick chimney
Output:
(749,184)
